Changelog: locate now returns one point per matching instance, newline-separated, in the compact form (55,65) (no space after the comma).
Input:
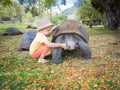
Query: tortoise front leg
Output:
(57,52)
(57,55)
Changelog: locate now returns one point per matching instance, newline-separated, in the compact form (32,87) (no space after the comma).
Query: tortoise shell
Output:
(71,27)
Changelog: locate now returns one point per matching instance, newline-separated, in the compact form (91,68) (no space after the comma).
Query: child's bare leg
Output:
(42,60)
(45,52)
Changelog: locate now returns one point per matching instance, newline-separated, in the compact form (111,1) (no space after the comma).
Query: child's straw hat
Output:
(43,23)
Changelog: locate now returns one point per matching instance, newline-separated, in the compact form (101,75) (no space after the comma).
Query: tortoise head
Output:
(71,45)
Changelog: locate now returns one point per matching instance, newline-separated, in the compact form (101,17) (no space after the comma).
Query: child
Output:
(40,47)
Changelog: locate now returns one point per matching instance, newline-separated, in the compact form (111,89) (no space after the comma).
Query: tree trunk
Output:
(118,13)
(110,17)
(20,18)
(111,11)
(51,14)
(91,24)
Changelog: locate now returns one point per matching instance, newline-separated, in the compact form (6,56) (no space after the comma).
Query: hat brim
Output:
(45,27)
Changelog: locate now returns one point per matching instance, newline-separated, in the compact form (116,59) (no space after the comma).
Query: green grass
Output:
(18,71)
(17,25)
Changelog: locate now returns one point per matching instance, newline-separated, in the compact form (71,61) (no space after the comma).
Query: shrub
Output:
(58,19)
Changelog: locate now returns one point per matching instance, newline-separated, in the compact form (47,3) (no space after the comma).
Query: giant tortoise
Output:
(74,35)
(11,31)
(27,39)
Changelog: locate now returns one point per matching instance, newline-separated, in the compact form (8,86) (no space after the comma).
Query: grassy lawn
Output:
(17,25)
(18,71)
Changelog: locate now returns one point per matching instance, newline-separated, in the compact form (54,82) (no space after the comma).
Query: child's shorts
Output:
(42,51)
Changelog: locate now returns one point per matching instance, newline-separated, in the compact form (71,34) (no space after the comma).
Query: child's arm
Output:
(51,31)
(55,45)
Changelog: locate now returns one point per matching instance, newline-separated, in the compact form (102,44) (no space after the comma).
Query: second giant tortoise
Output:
(11,31)
(74,35)
(27,39)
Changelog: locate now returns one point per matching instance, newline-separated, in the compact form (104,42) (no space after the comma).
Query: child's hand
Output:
(64,46)
(53,28)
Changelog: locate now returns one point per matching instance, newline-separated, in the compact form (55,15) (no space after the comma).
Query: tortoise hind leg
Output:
(85,49)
